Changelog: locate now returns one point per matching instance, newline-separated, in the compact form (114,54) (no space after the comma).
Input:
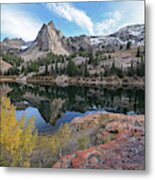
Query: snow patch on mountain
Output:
(134,34)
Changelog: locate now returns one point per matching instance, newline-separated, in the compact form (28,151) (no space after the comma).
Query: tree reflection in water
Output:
(52,101)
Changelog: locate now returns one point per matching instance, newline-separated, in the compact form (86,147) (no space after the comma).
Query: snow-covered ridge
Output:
(135,34)
(105,40)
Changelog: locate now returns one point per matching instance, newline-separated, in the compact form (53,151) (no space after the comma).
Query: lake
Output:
(53,105)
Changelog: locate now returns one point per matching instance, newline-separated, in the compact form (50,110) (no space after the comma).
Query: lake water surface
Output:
(52,105)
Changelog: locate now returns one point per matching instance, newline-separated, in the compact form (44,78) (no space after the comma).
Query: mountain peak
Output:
(51,24)
(49,39)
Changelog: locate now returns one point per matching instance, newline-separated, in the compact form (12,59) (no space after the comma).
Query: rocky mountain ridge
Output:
(15,45)
(49,39)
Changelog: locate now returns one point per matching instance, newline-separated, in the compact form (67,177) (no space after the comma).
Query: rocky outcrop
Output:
(122,147)
(78,43)
(4,66)
(97,118)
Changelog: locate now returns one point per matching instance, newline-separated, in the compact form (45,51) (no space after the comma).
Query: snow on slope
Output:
(134,34)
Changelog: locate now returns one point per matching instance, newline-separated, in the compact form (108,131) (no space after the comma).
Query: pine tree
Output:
(86,73)
(121,47)
(138,52)
(128,45)
(72,69)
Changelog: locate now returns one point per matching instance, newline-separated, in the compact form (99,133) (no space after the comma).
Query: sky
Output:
(72,18)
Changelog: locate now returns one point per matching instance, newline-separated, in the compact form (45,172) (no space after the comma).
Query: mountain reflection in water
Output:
(53,105)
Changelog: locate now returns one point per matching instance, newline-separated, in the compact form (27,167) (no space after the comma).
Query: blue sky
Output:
(91,18)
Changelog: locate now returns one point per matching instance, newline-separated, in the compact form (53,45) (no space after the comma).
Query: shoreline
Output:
(8,79)
(66,81)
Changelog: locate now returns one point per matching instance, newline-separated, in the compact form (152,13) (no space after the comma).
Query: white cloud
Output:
(72,14)
(109,24)
(17,23)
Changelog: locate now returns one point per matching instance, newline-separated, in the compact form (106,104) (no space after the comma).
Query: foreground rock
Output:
(122,147)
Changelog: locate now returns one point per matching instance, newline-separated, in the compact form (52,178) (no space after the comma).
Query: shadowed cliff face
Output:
(42,39)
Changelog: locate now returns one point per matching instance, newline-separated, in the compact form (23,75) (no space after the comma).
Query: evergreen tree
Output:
(121,47)
(46,70)
(56,68)
(112,69)
(72,69)
(138,52)
(86,73)
(128,45)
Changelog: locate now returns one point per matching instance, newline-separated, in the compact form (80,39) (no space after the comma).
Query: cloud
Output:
(72,14)
(109,24)
(127,13)
(18,23)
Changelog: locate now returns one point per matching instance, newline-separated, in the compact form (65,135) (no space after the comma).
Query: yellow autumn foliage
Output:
(18,138)
(55,143)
